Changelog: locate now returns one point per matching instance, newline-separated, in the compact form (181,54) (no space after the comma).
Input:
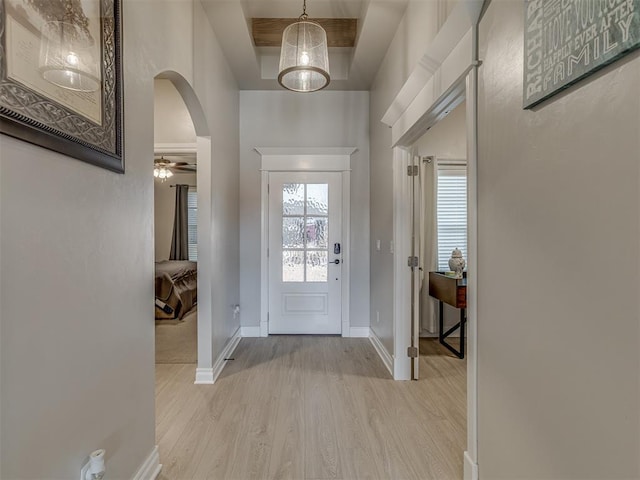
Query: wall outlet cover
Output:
(84,471)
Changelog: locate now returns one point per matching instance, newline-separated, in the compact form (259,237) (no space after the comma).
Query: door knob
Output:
(336,261)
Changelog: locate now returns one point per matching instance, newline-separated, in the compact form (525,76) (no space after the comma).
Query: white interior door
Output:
(305,252)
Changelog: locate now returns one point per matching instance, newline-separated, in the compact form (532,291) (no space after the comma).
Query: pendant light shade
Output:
(304,58)
(67,57)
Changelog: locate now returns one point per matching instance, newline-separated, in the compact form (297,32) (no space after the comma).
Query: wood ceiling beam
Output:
(267,32)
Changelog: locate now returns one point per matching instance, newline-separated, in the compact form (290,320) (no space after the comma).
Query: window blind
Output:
(451,212)
(192,221)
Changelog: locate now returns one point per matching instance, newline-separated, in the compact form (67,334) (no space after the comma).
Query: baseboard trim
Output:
(250,331)
(470,468)
(359,332)
(204,376)
(151,467)
(387,359)
(208,376)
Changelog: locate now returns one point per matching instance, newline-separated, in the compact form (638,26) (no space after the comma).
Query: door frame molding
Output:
(446,74)
(293,159)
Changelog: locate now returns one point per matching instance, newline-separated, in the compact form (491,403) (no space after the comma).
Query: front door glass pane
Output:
(293,199)
(293,232)
(316,232)
(305,232)
(317,199)
(317,266)
(293,266)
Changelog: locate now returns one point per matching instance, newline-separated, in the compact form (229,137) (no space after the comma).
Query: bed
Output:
(176,284)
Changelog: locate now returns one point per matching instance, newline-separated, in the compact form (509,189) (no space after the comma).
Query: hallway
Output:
(309,407)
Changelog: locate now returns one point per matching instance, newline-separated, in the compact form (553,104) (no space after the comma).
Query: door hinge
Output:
(412,352)
(412,170)
(412,262)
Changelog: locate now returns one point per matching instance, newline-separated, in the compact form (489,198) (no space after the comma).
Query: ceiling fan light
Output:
(304,57)
(162,172)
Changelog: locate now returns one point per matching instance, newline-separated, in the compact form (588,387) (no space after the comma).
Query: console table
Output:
(452,291)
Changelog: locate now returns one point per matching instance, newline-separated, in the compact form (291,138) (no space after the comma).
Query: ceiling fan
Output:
(164,168)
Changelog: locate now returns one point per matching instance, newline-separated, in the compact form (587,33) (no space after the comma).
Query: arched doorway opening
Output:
(182,144)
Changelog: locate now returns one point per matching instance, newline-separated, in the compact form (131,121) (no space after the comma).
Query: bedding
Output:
(176,285)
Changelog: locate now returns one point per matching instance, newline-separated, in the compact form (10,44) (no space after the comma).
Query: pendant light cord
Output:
(304,15)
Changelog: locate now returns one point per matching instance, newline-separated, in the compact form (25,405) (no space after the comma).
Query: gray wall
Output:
(322,119)
(76,276)
(417,28)
(219,96)
(447,139)
(172,121)
(559,268)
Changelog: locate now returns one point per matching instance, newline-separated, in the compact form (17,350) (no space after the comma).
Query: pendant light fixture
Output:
(304,58)
(68,51)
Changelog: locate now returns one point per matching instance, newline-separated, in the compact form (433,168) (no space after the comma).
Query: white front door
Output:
(305,252)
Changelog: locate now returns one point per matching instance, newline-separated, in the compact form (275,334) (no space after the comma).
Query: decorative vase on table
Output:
(457,263)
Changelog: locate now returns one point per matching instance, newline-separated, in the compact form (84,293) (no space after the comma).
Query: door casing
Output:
(288,159)
(305,306)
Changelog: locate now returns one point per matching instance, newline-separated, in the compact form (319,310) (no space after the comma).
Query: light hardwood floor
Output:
(308,407)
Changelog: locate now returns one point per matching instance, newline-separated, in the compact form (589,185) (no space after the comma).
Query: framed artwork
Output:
(566,41)
(61,77)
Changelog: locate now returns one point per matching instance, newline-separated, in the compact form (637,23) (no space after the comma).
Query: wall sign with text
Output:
(567,40)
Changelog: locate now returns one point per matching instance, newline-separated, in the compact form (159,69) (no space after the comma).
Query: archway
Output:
(202,150)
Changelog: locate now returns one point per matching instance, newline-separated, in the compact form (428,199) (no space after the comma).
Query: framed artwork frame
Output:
(566,41)
(85,123)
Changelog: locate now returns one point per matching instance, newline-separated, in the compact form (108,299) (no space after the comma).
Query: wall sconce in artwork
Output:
(61,70)
(66,57)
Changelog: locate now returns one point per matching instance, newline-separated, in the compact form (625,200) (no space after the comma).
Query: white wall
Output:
(559,268)
(286,119)
(418,27)
(164,210)
(76,276)
(216,88)
(172,121)
(447,139)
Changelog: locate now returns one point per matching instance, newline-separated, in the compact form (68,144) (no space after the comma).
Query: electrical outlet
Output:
(84,471)
(378,245)
(377,316)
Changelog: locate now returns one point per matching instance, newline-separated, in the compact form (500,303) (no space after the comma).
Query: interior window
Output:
(451,212)
(192,221)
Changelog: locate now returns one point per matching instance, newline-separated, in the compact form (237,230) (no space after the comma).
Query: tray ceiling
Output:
(366,27)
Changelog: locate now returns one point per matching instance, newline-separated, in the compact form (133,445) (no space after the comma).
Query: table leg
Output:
(441,321)
(461,325)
